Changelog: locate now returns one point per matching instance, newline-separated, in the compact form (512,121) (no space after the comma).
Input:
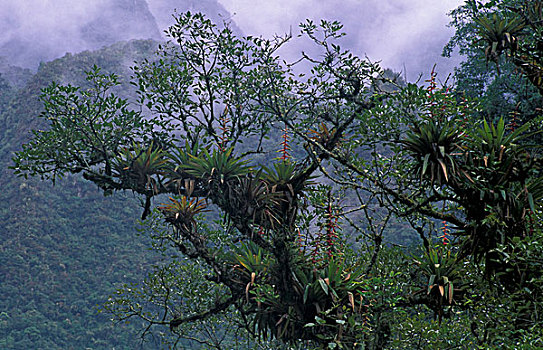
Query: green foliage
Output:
(510,26)
(100,125)
(64,248)
(264,249)
(499,34)
(184,210)
(434,143)
(217,166)
(5,93)
(444,270)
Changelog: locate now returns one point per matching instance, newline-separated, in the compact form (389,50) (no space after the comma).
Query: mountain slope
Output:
(39,32)
(63,249)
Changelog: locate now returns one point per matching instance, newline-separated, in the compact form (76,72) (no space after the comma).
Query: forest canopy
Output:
(274,189)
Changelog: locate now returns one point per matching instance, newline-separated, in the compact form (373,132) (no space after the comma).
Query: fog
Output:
(40,30)
(406,35)
(45,25)
(163,11)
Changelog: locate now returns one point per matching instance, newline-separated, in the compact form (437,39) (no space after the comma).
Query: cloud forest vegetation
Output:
(273,190)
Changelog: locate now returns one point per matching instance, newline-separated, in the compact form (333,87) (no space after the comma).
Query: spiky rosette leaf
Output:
(138,165)
(183,211)
(432,145)
(217,166)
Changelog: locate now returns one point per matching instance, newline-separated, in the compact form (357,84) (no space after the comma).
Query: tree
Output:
(266,239)
(513,27)
(501,88)
(499,28)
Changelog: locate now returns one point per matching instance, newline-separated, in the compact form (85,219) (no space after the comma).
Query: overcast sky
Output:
(403,34)
(47,24)
(406,35)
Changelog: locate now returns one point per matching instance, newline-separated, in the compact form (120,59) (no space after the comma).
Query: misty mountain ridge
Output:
(14,75)
(64,248)
(165,10)
(30,35)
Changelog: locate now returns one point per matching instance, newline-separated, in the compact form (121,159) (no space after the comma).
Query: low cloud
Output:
(402,34)
(406,35)
(39,30)
(164,11)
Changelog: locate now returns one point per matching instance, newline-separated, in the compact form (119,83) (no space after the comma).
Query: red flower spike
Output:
(285,148)
(445,231)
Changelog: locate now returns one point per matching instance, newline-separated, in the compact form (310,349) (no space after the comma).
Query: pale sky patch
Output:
(391,31)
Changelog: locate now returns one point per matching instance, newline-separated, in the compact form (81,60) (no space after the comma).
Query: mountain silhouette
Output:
(41,32)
